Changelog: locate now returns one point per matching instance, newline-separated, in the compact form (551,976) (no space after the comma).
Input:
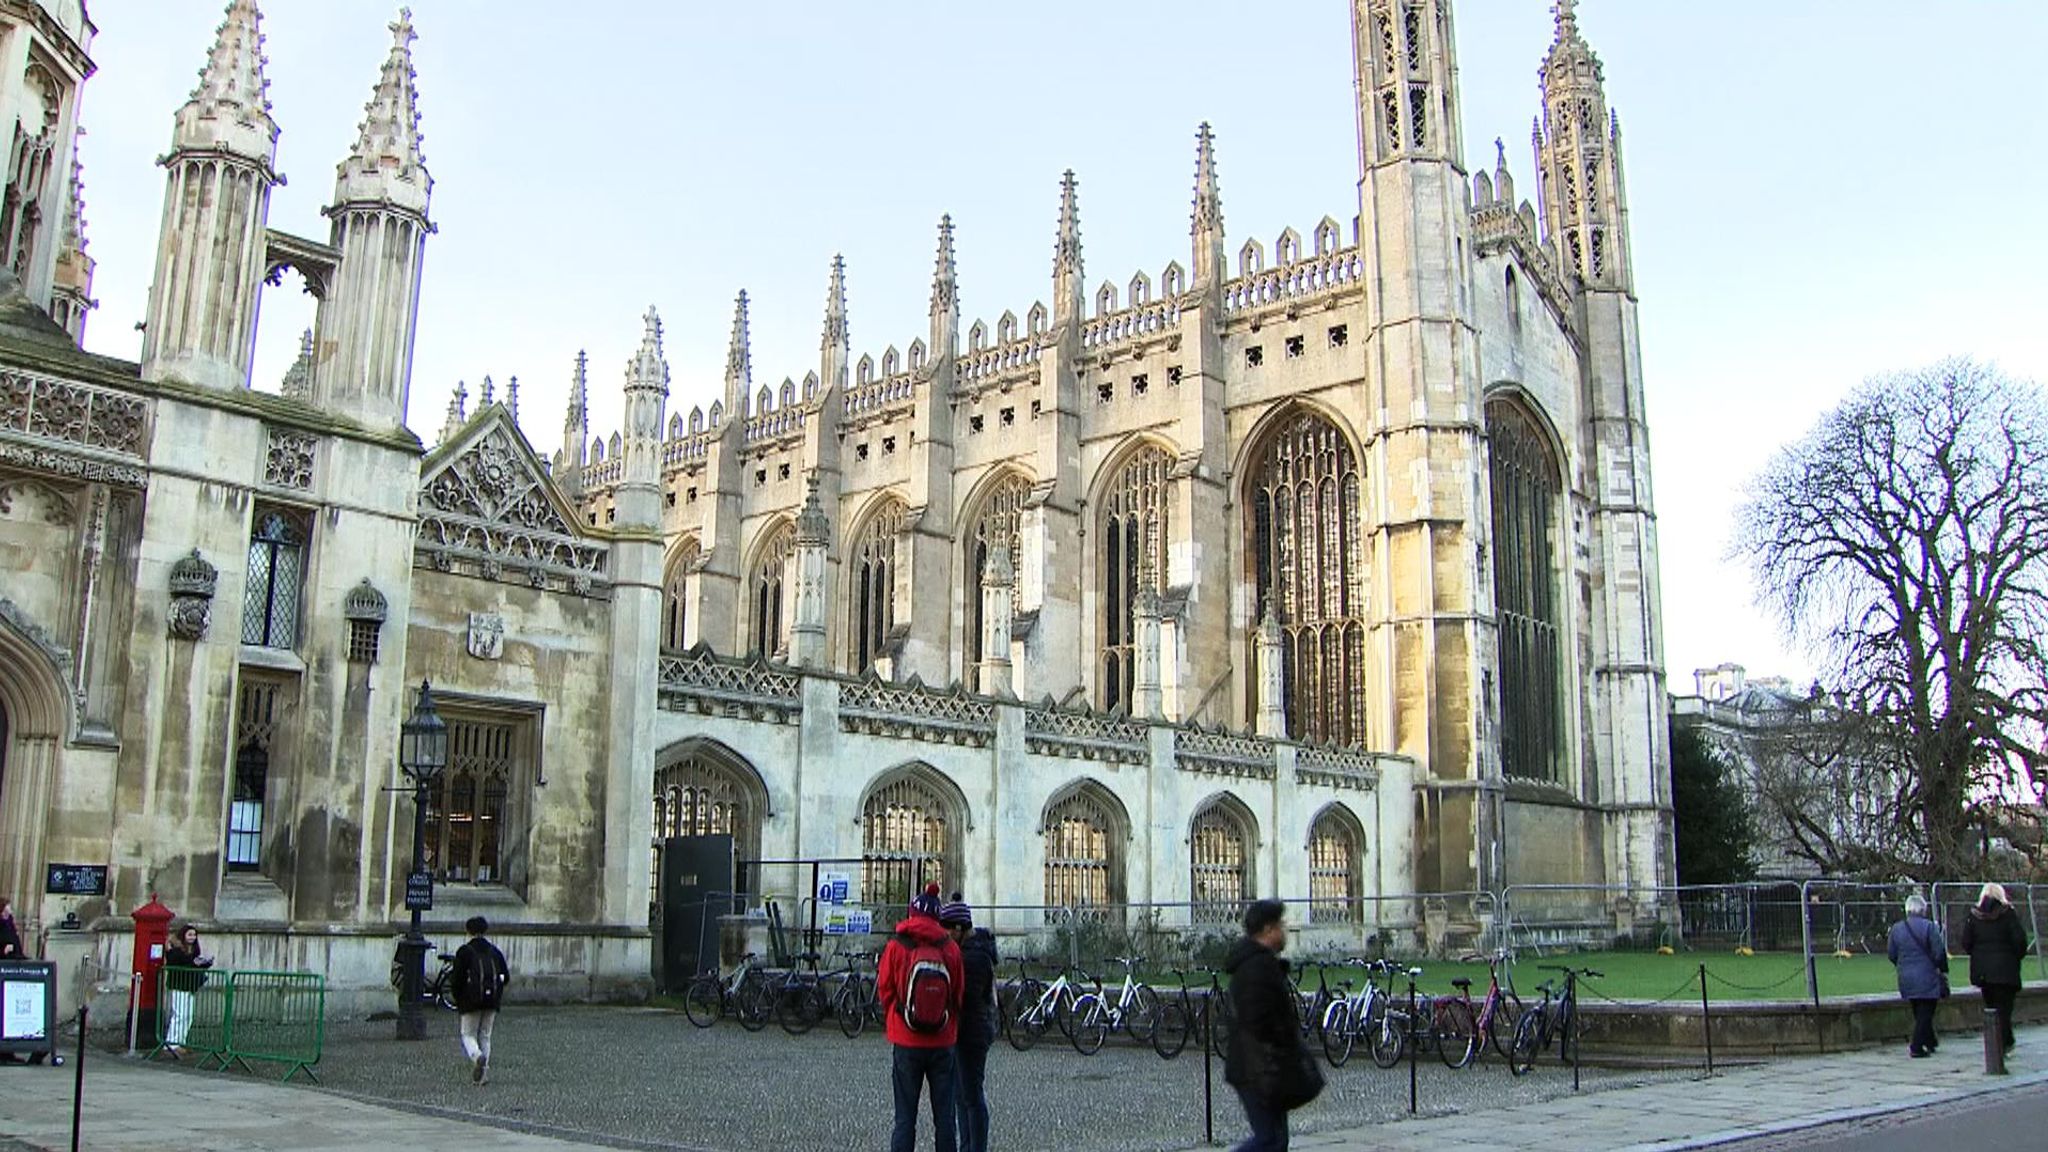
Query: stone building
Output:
(1325,569)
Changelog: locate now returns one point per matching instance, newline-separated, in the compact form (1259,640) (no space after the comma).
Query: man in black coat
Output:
(977,1021)
(1265,1062)
(480,979)
(1997,944)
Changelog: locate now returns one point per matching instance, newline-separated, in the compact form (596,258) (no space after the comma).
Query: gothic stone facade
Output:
(1325,570)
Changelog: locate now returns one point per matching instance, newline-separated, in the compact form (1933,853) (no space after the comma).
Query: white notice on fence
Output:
(22,1009)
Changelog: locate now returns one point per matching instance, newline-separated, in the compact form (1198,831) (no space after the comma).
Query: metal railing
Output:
(237,1018)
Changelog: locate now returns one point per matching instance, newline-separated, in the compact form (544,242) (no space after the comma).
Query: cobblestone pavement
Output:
(645,1077)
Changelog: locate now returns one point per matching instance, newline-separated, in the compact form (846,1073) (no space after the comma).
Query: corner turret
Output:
(1578,157)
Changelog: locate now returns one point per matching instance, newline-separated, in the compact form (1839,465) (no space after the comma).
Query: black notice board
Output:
(28,1007)
(76,880)
(419,892)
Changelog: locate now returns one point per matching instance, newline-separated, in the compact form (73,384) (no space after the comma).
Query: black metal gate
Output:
(696,889)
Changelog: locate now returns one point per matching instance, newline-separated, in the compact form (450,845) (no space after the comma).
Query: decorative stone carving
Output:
(486,635)
(1221,753)
(192,584)
(288,461)
(910,709)
(1050,730)
(51,409)
(39,500)
(1337,768)
(701,682)
(488,507)
(77,467)
(365,603)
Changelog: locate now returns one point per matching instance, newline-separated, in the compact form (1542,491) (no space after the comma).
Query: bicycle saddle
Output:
(1462,983)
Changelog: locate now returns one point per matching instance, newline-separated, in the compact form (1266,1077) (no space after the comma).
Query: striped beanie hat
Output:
(926,903)
(956,911)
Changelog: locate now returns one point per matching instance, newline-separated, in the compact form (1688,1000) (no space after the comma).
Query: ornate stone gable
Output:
(488,508)
(75,430)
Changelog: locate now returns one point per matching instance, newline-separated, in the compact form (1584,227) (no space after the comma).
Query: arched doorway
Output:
(709,805)
(35,717)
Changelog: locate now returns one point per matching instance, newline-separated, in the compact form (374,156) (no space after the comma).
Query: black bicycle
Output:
(1554,1019)
(436,989)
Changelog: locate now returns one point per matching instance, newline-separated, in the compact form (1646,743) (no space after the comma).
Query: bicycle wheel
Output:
(1222,1019)
(799,1008)
(1063,1012)
(442,991)
(1389,1039)
(703,1001)
(1091,1025)
(1500,1027)
(1142,1017)
(1457,1034)
(1027,1023)
(1172,1033)
(1336,1029)
(850,1006)
(754,1003)
(1528,1041)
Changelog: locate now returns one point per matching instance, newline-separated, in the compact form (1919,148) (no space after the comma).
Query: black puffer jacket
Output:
(1267,1027)
(1997,944)
(978,1012)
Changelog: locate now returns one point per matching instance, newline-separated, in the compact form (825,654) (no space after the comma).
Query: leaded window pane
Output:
(1335,852)
(906,841)
(768,635)
(1083,864)
(874,576)
(256,716)
(1001,518)
(1220,848)
(1526,488)
(270,598)
(469,825)
(1134,534)
(675,592)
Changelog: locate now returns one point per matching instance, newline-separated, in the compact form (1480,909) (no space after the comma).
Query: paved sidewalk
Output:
(1756,1100)
(130,1107)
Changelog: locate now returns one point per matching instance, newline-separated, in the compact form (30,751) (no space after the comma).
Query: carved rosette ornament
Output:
(192,584)
(288,462)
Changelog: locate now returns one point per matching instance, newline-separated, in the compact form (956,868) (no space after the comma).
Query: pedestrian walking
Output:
(480,979)
(1268,1063)
(1996,943)
(922,985)
(1918,950)
(185,965)
(10,936)
(977,1020)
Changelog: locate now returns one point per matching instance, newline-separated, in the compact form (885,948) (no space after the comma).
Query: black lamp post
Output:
(422,753)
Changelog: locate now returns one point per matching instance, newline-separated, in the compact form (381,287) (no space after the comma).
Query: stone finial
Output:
(648,370)
(298,379)
(1208,215)
(579,399)
(945,276)
(836,332)
(512,398)
(365,603)
(489,395)
(1566,12)
(387,163)
(1066,254)
(739,355)
(811,526)
(232,79)
(1503,182)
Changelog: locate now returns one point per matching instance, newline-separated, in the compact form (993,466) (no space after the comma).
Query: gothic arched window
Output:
(674,609)
(277,568)
(767,621)
(1084,860)
(910,830)
(1526,487)
(873,595)
(1133,552)
(1308,555)
(1336,851)
(1221,842)
(707,793)
(1001,517)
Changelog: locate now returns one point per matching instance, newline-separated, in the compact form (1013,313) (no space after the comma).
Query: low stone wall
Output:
(1775,1028)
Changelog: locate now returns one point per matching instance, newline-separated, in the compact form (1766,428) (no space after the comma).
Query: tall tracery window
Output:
(1336,850)
(1220,846)
(1001,517)
(674,607)
(1308,555)
(767,628)
(1134,541)
(873,596)
(257,712)
(277,568)
(1083,850)
(1526,487)
(704,795)
(476,818)
(908,835)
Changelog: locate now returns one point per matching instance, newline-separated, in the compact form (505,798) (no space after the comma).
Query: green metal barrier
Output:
(278,1017)
(193,1001)
(235,1018)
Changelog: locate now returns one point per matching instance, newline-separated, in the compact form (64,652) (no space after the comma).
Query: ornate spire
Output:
(1577,160)
(648,370)
(945,277)
(72,238)
(739,356)
(835,307)
(1066,253)
(579,399)
(386,163)
(1208,197)
(811,525)
(512,398)
(230,107)
(490,393)
(298,379)
(1567,15)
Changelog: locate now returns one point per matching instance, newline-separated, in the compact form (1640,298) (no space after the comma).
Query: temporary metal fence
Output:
(237,1018)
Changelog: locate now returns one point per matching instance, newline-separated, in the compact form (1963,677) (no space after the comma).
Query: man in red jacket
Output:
(922,986)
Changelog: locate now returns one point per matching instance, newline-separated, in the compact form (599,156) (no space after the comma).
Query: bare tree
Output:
(1906,538)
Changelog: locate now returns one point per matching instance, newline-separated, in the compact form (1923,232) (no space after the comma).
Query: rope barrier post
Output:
(78,1081)
(1414,1040)
(1571,1024)
(1994,1043)
(1208,1077)
(1707,1019)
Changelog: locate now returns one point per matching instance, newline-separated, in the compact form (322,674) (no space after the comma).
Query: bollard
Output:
(1707,1019)
(78,1081)
(1994,1044)
(1414,1040)
(1208,1079)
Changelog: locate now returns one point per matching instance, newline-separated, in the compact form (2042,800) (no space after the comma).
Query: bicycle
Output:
(1176,1019)
(1356,1015)
(1134,1011)
(1402,1028)
(1043,1004)
(797,997)
(1473,1029)
(1219,1015)
(1315,1006)
(1553,1019)
(855,1004)
(440,988)
(711,996)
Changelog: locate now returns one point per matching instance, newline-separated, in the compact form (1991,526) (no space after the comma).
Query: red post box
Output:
(152,930)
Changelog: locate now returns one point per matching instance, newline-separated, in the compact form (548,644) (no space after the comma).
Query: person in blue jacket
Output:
(1920,953)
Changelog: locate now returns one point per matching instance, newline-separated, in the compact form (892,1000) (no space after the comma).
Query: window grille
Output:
(471,822)
(1134,540)
(674,614)
(1002,517)
(769,633)
(362,641)
(1308,549)
(874,585)
(256,717)
(700,796)
(1335,850)
(1083,861)
(1526,487)
(270,601)
(1219,844)
(906,840)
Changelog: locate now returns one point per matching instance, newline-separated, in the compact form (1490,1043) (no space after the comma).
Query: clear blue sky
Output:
(1818,190)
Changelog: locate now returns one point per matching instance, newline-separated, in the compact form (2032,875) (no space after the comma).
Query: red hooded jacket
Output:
(895,972)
